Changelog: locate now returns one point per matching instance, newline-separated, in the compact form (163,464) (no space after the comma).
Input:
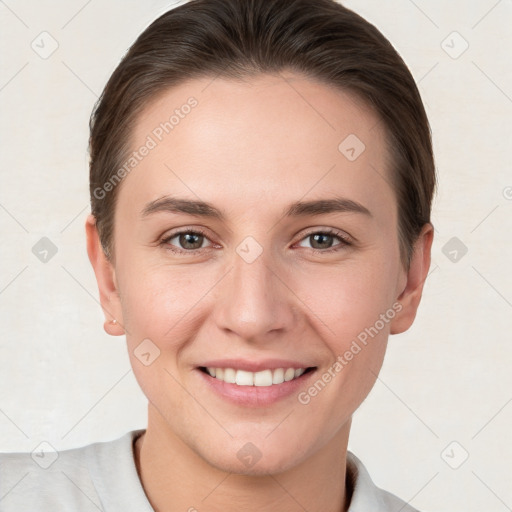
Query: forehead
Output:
(269,137)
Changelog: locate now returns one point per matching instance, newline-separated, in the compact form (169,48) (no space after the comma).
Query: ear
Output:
(414,278)
(106,279)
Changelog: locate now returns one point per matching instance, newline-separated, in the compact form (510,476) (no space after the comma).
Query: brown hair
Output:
(236,38)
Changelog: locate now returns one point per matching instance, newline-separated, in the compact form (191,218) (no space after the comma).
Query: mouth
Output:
(263,378)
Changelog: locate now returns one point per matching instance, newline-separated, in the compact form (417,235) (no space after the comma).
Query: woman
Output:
(261,180)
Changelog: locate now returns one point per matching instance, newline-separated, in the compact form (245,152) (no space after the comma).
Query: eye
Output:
(190,240)
(186,241)
(323,241)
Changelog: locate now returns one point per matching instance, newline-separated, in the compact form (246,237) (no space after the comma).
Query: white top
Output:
(103,476)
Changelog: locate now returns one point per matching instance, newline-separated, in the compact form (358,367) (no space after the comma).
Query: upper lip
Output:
(255,366)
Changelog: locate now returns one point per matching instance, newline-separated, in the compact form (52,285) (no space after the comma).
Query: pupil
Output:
(187,239)
(321,238)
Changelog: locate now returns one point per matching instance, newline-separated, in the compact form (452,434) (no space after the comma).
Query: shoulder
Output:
(47,480)
(366,495)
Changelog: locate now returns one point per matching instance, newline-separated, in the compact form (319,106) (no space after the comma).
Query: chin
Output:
(263,467)
(246,458)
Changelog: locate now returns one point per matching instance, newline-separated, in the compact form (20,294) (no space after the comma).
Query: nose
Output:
(256,303)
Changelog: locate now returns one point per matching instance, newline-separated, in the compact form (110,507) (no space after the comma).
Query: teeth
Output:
(244,378)
(263,378)
(289,374)
(229,375)
(278,376)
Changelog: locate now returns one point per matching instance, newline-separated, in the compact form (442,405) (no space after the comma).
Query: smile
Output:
(263,378)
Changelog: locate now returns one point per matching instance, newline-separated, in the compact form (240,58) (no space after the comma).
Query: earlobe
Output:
(113,327)
(106,280)
(410,295)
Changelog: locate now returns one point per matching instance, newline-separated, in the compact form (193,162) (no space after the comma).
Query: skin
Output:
(251,148)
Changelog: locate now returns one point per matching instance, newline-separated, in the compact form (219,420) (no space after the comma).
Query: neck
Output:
(175,478)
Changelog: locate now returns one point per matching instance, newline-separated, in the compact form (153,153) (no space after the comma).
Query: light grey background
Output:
(448,379)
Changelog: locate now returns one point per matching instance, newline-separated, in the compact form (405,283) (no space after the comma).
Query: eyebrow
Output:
(297,209)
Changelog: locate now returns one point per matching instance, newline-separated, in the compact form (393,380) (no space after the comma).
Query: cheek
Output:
(165,304)
(158,306)
(155,297)
(349,299)
(352,310)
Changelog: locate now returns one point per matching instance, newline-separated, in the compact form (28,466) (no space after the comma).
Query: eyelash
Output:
(343,239)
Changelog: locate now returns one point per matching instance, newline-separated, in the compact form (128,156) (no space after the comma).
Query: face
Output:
(256,235)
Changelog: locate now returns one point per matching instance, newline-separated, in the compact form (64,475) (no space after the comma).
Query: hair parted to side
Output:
(240,38)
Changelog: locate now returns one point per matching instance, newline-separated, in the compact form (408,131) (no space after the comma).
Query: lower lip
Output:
(255,396)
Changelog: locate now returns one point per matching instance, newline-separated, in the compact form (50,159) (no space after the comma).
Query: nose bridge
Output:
(254,301)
